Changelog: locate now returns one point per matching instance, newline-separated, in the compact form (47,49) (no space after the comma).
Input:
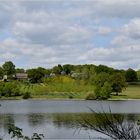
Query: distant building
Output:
(4,78)
(21,76)
(63,73)
(52,75)
(75,75)
(47,75)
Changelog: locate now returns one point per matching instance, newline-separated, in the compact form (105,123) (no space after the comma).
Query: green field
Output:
(131,92)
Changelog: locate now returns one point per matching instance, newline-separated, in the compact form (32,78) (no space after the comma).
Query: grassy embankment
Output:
(67,91)
(68,88)
(58,91)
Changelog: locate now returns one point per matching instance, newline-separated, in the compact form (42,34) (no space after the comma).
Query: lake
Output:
(59,119)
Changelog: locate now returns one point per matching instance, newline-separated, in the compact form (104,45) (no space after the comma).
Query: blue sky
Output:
(50,32)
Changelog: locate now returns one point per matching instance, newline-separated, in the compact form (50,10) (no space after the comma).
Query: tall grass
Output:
(59,87)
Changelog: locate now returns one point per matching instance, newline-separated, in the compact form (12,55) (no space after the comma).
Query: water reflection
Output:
(36,119)
(64,125)
(5,120)
(116,126)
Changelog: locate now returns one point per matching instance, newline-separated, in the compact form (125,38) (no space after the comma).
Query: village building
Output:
(5,77)
(52,75)
(63,73)
(21,76)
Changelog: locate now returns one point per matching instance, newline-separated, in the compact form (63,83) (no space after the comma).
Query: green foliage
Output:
(9,68)
(105,84)
(101,78)
(16,132)
(20,70)
(67,68)
(10,89)
(1,88)
(1,72)
(57,69)
(90,96)
(26,95)
(70,97)
(131,75)
(118,82)
(103,68)
(58,79)
(36,75)
(104,91)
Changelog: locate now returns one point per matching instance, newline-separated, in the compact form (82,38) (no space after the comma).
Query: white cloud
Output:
(46,33)
(104,30)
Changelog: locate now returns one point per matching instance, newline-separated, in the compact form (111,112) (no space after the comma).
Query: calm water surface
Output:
(59,119)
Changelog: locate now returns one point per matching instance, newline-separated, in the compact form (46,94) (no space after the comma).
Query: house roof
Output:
(21,75)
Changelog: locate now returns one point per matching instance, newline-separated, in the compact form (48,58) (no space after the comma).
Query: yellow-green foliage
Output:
(59,79)
(58,87)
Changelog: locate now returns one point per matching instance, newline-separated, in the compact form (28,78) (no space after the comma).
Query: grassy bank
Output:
(74,91)
(41,91)
(57,90)
(64,87)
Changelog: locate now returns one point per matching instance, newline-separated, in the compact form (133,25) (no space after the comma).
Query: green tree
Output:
(36,75)
(57,69)
(9,68)
(103,68)
(67,68)
(1,72)
(103,87)
(11,89)
(103,92)
(101,78)
(131,75)
(118,82)
(20,70)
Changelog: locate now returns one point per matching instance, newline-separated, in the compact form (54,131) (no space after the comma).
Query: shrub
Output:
(70,97)
(10,89)
(91,96)
(26,95)
(103,92)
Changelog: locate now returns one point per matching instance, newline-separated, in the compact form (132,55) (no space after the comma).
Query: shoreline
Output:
(64,99)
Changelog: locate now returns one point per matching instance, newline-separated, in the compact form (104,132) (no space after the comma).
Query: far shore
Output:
(65,99)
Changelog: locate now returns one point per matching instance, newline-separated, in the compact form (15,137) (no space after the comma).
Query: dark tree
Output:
(20,70)
(67,68)
(57,69)
(103,68)
(1,72)
(118,82)
(36,75)
(9,68)
(131,75)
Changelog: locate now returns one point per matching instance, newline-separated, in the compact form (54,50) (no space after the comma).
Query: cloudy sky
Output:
(50,32)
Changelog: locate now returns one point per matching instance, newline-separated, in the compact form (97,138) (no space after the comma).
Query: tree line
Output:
(86,72)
